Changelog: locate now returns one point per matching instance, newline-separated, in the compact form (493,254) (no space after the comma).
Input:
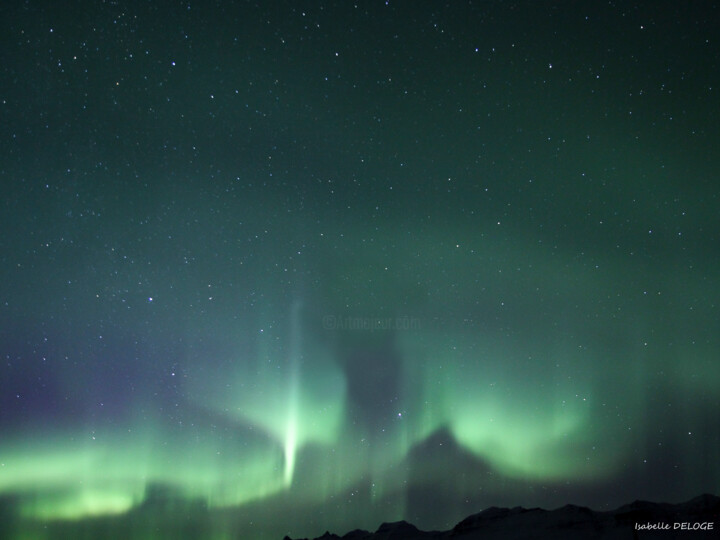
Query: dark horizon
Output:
(319,267)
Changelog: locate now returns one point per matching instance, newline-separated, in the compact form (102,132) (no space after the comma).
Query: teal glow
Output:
(271,271)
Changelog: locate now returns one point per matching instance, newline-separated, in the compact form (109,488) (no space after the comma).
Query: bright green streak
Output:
(294,393)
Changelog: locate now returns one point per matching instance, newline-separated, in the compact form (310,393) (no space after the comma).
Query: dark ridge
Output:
(699,516)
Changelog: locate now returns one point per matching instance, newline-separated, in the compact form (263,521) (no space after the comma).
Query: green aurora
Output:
(280,270)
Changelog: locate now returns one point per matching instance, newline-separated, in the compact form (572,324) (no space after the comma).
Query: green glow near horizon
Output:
(524,429)
(519,430)
(291,430)
(66,479)
(211,212)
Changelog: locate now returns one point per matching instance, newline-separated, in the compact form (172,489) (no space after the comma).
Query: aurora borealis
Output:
(279,268)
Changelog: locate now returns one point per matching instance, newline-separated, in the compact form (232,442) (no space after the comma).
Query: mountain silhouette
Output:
(699,517)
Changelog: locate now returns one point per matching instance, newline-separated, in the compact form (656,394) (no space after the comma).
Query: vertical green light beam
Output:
(290,439)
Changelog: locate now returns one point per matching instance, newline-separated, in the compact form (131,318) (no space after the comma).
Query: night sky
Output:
(276,268)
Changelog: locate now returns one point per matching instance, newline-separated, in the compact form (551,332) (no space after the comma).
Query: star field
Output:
(283,268)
